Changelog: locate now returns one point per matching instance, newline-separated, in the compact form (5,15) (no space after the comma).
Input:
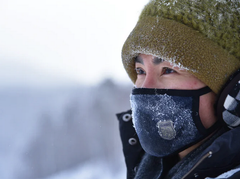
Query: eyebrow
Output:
(138,60)
(156,60)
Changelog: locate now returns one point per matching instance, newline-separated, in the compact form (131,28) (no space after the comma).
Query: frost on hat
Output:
(202,36)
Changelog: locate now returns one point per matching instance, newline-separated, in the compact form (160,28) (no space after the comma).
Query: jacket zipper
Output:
(207,155)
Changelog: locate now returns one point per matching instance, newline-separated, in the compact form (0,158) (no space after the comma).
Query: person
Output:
(184,59)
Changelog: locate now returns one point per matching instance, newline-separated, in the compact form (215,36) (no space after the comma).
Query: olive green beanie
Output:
(202,36)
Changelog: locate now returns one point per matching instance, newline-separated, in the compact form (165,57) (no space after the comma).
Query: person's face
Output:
(153,72)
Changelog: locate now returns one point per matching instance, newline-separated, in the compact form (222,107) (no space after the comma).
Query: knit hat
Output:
(202,36)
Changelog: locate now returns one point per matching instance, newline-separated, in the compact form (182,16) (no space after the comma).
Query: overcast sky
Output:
(48,41)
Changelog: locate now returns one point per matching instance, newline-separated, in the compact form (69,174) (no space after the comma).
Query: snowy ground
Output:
(92,170)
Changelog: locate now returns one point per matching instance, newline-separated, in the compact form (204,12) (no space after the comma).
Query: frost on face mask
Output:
(162,108)
(164,123)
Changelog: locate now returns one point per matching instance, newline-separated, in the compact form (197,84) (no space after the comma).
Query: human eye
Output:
(140,71)
(167,70)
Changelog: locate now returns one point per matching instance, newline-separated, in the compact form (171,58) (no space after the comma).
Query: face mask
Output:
(167,121)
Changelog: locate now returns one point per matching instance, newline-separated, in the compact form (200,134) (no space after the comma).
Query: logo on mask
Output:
(166,130)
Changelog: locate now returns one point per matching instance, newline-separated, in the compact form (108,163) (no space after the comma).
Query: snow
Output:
(91,170)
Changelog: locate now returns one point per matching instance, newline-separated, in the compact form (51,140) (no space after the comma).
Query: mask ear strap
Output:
(205,132)
(228,104)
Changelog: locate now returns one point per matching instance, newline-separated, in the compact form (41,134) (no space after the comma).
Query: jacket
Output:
(218,157)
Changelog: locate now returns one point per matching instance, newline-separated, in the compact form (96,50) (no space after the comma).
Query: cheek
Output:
(207,110)
(192,83)
(186,84)
(139,81)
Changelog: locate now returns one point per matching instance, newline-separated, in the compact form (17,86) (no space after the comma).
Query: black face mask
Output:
(167,121)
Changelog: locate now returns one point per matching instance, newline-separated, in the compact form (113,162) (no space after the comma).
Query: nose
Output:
(150,81)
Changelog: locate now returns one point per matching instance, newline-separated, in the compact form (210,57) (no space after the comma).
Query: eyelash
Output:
(166,70)
(139,71)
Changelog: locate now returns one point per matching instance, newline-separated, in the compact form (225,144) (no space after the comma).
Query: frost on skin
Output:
(148,110)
